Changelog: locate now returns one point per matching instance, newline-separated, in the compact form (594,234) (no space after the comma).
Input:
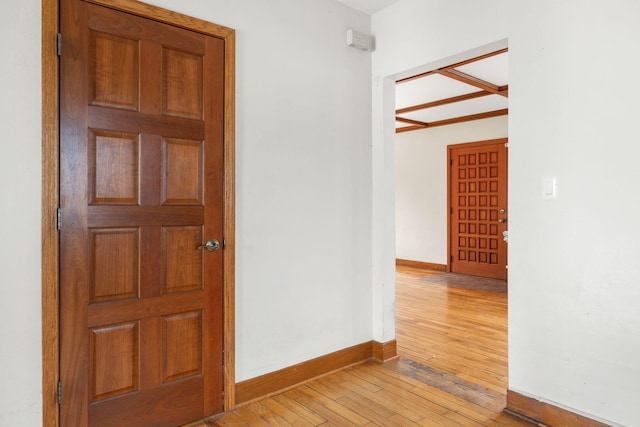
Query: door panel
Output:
(141,188)
(478,214)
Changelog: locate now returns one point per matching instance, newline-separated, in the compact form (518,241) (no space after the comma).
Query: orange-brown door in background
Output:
(478,208)
(141,107)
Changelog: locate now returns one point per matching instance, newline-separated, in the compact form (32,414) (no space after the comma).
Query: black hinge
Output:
(59,218)
(59,44)
(224,243)
(451,258)
(59,392)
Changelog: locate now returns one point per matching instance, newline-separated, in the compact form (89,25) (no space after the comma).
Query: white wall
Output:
(421,185)
(573,272)
(303,188)
(574,316)
(20,171)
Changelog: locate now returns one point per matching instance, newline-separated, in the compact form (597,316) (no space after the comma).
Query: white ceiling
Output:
(487,77)
(368,6)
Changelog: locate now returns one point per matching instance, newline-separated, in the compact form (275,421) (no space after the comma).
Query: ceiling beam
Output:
(411,122)
(457,64)
(473,81)
(422,125)
(445,101)
(418,76)
(471,117)
(408,128)
(478,58)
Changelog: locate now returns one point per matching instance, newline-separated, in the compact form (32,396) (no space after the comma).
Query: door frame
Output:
(449,207)
(50,192)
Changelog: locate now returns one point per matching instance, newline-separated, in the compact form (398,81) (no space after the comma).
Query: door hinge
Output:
(451,258)
(59,44)
(224,246)
(59,218)
(59,392)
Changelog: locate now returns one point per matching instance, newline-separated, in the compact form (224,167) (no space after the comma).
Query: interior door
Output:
(141,116)
(478,208)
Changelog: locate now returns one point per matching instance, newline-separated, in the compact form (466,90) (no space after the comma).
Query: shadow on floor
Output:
(467,282)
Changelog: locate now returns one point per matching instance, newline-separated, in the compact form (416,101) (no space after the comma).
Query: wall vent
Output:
(359,40)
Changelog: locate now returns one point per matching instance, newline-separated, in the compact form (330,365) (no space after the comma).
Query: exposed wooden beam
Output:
(417,76)
(408,128)
(445,101)
(450,71)
(478,58)
(457,64)
(422,125)
(411,122)
(471,80)
(469,118)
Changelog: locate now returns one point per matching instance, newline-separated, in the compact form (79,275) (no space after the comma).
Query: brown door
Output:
(478,202)
(141,107)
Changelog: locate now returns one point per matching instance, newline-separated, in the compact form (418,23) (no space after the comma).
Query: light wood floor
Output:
(451,370)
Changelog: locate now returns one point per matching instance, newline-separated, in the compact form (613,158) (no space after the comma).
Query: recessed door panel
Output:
(113,167)
(183,264)
(114,363)
(114,76)
(182,341)
(182,84)
(182,161)
(115,256)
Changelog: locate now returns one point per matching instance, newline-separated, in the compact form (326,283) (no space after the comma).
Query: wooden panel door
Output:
(141,157)
(478,208)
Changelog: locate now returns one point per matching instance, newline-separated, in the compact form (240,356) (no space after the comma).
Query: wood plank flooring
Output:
(451,369)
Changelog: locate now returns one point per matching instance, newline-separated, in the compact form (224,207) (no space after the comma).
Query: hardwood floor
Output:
(455,330)
(451,369)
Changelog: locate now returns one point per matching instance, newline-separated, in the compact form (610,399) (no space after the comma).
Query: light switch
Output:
(549,187)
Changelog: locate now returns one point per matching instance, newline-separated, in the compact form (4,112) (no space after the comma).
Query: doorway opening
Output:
(439,113)
(439,108)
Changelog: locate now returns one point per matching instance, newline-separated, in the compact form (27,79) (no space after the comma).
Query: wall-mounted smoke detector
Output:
(359,40)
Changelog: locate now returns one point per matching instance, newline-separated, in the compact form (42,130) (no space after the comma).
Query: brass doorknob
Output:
(501,220)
